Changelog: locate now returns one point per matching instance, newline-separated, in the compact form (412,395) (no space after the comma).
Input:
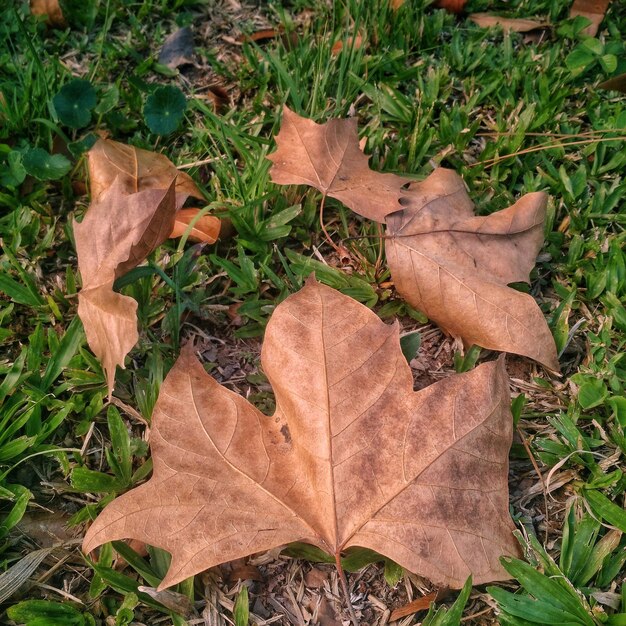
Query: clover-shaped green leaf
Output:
(15,173)
(45,166)
(164,110)
(74,102)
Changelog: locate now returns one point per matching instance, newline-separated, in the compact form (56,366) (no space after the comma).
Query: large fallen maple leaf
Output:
(445,261)
(118,232)
(351,457)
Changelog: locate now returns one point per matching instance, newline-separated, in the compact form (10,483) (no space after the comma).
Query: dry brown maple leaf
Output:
(445,261)
(351,457)
(118,232)
(327,157)
(456,267)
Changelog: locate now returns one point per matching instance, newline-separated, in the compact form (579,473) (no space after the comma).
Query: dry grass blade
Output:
(550,146)
(18,574)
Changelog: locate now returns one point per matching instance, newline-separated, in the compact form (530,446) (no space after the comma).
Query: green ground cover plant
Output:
(428,88)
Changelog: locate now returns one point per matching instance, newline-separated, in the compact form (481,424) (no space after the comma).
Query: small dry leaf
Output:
(593,10)
(351,42)
(452,6)
(261,35)
(51,9)
(518,25)
(315,578)
(177,49)
(216,95)
(206,229)
(136,170)
(326,615)
(352,456)
(47,528)
(118,232)
(444,260)
(617,83)
(177,602)
(421,604)
(241,570)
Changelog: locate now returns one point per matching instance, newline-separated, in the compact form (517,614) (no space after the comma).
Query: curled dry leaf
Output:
(136,170)
(136,195)
(420,604)
(118,232)
(205,229)
(445,261)
(617,83)
(352,456)
(456,267)
(261,35)
(351,43)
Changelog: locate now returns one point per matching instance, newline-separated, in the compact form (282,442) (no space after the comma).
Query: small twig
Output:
(588,133)
(330,241)
(57,566)
(473,615)
(87,439)
(379,258)
(130,411)
(544,489)
(346,592)
(186,166)
(65,594)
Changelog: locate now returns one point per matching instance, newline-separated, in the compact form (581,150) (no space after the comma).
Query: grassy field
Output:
(428,88)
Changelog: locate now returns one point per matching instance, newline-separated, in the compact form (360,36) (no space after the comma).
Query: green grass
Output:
(427,88)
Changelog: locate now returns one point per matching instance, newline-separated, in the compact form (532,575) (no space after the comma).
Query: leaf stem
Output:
(344,586)
(328,237)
